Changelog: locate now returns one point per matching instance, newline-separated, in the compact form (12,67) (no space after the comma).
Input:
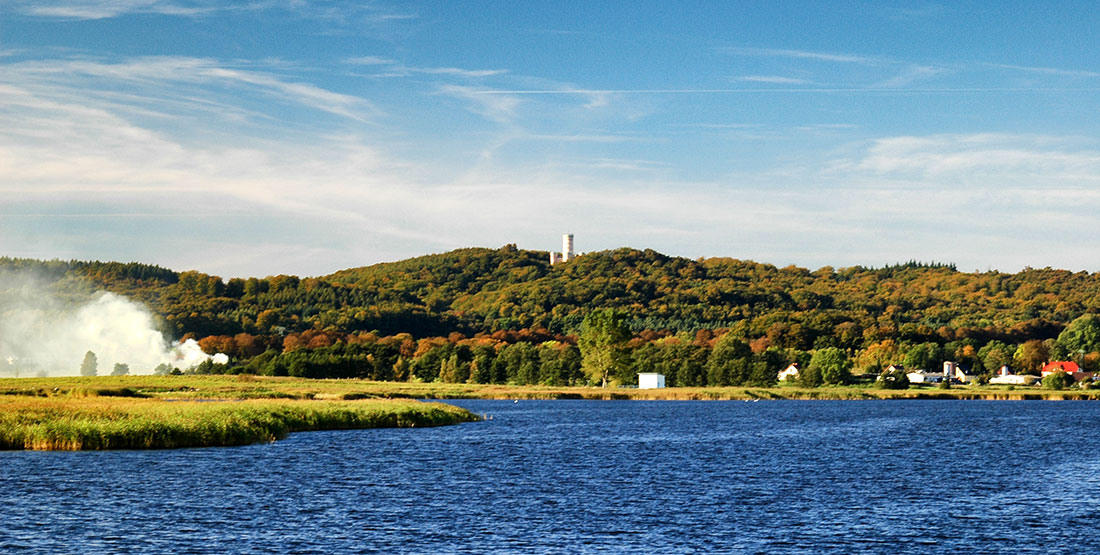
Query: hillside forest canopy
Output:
(506,315)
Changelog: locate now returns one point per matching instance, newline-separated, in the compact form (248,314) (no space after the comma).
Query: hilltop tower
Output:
(566,253)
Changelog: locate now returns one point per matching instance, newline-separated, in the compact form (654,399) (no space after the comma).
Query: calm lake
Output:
(594,476)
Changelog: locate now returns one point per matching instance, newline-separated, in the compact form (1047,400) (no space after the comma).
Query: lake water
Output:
(594,476)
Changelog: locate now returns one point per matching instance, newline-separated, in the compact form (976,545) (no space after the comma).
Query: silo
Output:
(567,247)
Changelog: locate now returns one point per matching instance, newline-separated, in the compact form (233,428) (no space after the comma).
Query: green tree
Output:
(89,366)
(602,342)
(1057,380)
(765,368)
(893,379)
(832,364)
(994,355)
(924,356)
(120,369)
(729,362)
(1080,337)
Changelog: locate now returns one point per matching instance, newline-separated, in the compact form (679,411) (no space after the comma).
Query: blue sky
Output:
(304,136)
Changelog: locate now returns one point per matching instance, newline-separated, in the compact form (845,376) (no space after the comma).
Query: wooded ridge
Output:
(913,312)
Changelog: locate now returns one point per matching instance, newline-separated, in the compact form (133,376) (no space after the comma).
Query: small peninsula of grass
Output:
(129,413)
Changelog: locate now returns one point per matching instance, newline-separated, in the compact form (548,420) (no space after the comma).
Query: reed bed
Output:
(70,423)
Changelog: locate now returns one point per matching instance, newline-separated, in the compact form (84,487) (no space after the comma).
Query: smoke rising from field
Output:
(43,332)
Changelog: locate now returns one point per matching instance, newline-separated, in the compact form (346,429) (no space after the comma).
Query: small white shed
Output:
(650,380)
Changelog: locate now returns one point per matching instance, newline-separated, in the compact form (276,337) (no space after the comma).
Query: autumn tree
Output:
(878,356)
(1030,356)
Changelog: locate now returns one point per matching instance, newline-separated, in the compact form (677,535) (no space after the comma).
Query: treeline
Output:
(677,309)
(700,359)
(531,359)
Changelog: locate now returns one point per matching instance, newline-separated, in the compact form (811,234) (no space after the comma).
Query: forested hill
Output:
(477,290)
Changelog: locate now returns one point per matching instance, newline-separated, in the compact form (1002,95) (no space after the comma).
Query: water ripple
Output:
(593,477)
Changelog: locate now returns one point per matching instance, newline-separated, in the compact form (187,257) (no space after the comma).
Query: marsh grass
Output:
(66,422)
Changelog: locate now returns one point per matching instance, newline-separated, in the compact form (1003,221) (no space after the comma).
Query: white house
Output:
(650,380)
(790,373)
(1014,379)
(920,376)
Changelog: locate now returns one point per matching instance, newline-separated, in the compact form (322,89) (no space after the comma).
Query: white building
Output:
(650,380)
(566,253)
(1014,379)
(789,374)
(920,376)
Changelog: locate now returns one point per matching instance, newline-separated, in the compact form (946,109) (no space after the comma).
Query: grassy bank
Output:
(253,387)
(151,412)
(109,413)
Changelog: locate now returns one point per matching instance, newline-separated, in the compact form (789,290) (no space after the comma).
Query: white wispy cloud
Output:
(497,107)
(773,79)
(395,69)
(370,60)
(910,75)
(103,9)
(1049,70)
(578,138)
(81,77)
(801,54)
(983,159)
(341,13)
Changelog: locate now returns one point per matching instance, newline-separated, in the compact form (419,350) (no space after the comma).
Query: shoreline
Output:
(165,412)
(245,386)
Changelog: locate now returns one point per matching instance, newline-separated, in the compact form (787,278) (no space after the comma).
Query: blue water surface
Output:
(594,476)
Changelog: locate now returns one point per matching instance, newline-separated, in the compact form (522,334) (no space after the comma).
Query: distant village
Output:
(952,374)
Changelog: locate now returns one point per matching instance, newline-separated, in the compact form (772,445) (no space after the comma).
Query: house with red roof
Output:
(1060,366)
(1068,367)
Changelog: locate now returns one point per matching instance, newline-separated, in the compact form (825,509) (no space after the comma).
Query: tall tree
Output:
(89,365)
(832,364)
(602,341)
(1030,356)
(1081,336)
(730,362)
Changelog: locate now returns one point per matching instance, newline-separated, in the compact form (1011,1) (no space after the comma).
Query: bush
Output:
(1057,380)
(893,379)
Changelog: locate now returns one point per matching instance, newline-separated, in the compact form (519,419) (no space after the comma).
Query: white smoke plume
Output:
(42,333)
